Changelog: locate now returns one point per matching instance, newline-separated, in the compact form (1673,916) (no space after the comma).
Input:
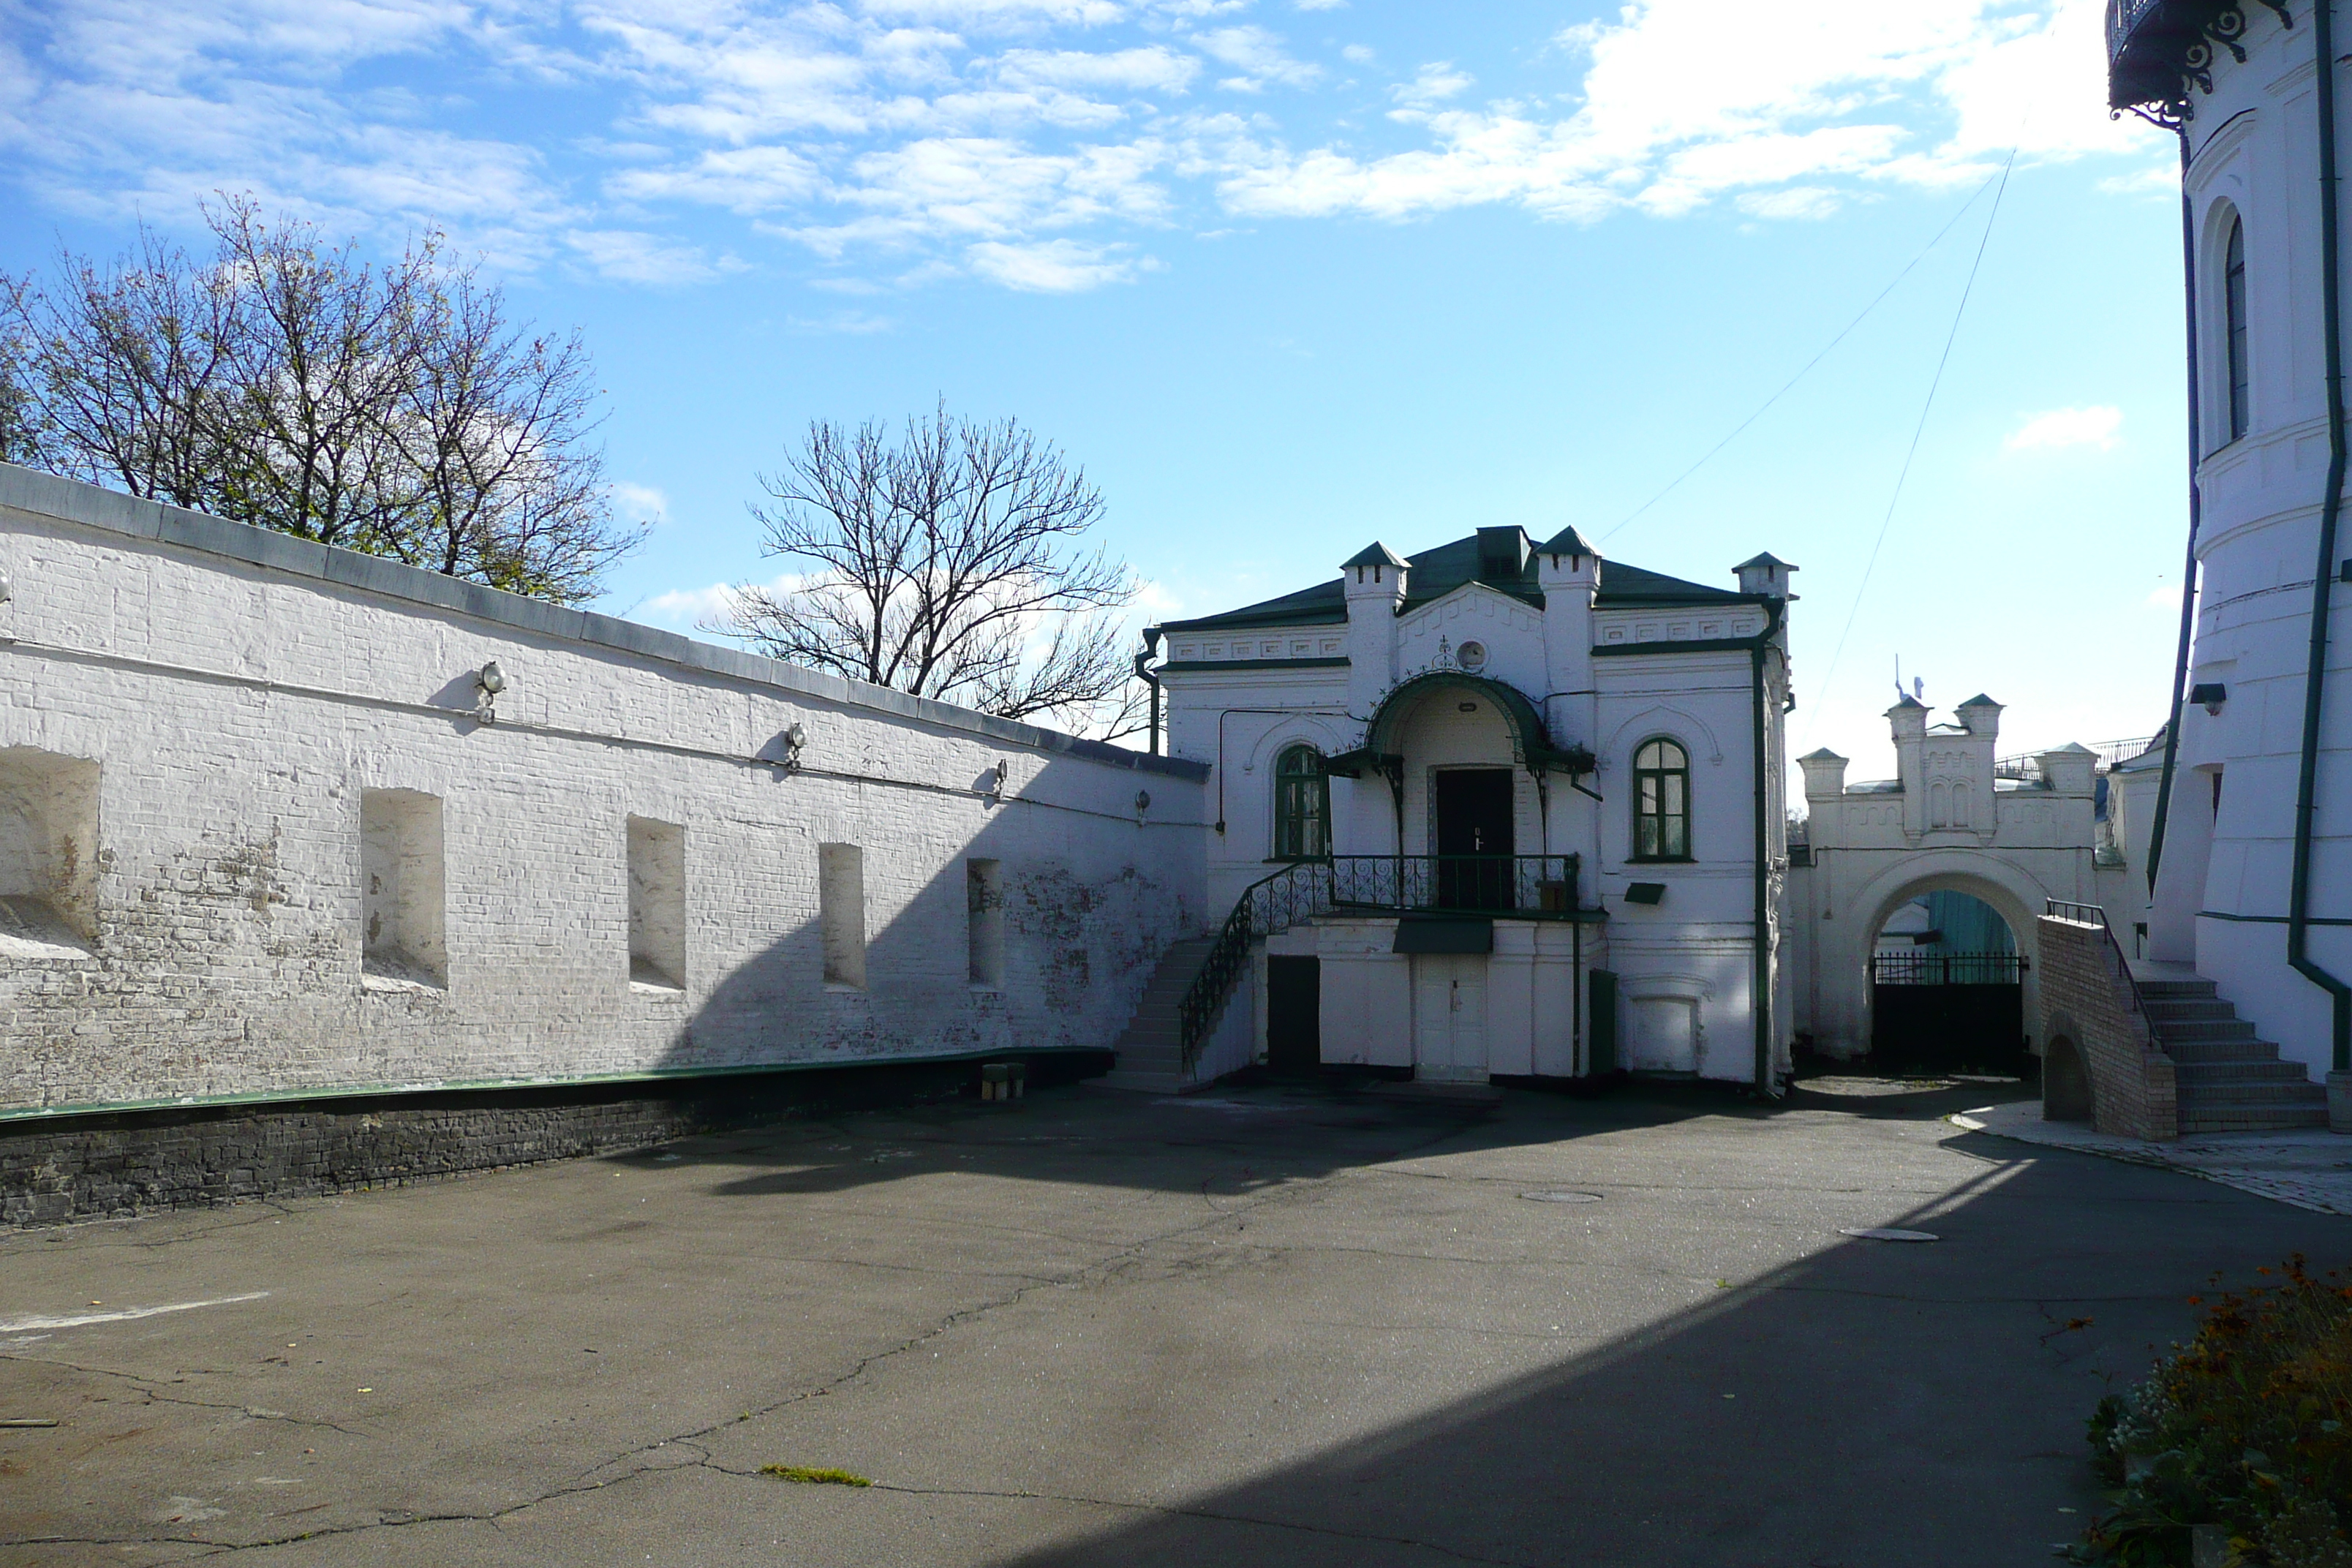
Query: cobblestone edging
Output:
(2307,1168)
(113,1167)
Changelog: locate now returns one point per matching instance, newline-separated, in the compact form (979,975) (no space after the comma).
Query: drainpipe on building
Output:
(1143,668)
(1762,984)
(2315,685)
(2196,512)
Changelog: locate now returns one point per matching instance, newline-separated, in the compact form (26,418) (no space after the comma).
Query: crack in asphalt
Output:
(145,1385)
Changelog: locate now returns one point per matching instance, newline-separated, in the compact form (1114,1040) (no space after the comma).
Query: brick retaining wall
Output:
(113,1167)
(2086,996)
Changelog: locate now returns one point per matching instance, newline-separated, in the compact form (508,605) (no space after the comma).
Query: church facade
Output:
(1498,808)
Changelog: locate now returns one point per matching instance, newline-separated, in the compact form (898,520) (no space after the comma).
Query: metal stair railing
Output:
(1520,886)
(1267,907)
(2095,915)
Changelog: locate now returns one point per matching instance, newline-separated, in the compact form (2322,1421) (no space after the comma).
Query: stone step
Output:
(2247,1049)
(1147,1082)
(2263,1096)
(2151,989)
(2188,1007)
(2170,1029)
(2269,1119)
(2203,1076)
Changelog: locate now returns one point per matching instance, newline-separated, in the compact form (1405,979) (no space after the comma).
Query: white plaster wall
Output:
(2222,896)
(238,713)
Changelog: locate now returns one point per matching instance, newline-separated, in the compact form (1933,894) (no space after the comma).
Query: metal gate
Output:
(1947,1011)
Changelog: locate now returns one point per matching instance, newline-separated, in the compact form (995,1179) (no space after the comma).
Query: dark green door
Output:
(1600,1024)
(1294,1013)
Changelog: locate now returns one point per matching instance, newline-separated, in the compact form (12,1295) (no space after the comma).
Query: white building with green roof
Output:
(1498,808)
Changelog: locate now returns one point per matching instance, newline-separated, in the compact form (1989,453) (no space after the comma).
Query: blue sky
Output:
(1285,276)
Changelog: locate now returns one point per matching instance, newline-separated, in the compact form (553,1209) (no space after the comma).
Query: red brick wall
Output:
(2087,996)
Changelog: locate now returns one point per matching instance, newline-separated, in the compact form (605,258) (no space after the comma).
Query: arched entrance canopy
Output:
(1531,746)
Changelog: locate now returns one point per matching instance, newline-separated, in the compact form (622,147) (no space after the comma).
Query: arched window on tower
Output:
(1661,802)
(2234,316)
(1302,805)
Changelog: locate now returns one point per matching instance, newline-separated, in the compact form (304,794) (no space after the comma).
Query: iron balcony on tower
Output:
(2160,51)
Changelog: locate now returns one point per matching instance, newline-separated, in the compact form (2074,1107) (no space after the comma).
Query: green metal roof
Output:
(1438,572)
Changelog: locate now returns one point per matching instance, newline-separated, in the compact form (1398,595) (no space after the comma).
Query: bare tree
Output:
(387,407)
(493,425)
(952,565)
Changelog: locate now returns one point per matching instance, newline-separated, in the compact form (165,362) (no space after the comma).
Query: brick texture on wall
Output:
(226,705)
(112,1167)
(2086,996)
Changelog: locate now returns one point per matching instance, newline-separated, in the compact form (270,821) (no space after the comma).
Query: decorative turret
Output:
(1565,561)
(1980,715)
(1568,570)
(1766,574)
(2069,769)
(1825,774)
(1374,581)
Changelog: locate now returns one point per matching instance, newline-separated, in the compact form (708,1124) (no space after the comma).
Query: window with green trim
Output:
(1302,805)
(1661,802)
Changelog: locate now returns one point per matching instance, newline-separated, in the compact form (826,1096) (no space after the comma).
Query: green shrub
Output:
(2247,1427)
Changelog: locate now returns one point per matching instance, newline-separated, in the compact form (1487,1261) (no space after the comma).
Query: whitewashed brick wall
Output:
(239,691)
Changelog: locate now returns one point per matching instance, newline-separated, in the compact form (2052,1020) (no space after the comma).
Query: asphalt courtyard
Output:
(1266,1326)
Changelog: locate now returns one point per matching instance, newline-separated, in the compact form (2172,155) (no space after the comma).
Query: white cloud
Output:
(1258,55)
(1157,68)
(1054,267)
(1685,101)
(640,503)
(627,256)
(2093,426)
(1792,201)
(1026,142)
(1433,84)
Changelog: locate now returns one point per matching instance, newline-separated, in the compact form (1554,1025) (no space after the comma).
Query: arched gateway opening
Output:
(1947,986)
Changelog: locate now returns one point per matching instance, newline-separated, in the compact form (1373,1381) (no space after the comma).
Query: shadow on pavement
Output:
(1878,1403)
(1089,1136)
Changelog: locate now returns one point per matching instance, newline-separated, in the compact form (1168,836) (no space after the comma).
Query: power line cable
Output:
(1917,430)
(1843,332)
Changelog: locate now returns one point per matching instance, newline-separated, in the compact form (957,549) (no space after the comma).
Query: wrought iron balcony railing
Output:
(1523,887)
(2160,50)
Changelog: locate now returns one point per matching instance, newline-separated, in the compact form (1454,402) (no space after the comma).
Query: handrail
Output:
(2095,914)
(1285,896)
(1523,887)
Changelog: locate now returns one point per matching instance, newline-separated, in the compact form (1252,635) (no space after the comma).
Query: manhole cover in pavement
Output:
(1562,1197)
(1882,1232)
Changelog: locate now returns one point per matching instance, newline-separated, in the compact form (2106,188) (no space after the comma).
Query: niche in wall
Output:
(984,904)
(404,943)
(657,906)
(840,912)
(48,854)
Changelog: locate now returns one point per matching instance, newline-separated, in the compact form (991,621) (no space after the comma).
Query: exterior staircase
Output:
(1151,1050)
(2227,1080)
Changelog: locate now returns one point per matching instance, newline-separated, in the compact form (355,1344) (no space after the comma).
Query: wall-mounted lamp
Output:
(1142,801)
(7,587)
(1003,772)
(2210,695)
(489,682)
(793,739)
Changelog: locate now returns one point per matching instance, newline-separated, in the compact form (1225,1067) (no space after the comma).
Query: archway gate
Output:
(2012,842)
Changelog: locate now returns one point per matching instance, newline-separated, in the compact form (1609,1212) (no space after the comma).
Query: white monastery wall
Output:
(2228,864)
(225,754)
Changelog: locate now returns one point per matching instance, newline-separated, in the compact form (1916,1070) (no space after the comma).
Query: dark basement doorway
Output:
(1294,1015)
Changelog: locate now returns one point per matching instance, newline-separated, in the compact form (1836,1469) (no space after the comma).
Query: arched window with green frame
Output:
(1661,802)
(1302,805)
